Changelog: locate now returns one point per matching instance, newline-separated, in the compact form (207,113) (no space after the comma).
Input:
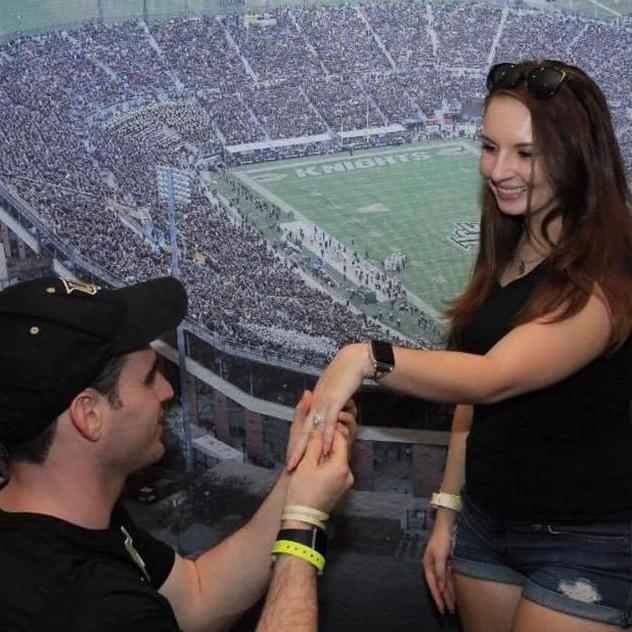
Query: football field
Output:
(419,199)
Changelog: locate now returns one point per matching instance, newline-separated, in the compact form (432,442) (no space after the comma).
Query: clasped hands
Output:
(324,475)
(330,403)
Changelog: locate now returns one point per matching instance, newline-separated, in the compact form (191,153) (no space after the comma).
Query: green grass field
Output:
(596,9)
(421,199)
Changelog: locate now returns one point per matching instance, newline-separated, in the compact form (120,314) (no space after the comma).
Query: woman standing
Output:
(539,468)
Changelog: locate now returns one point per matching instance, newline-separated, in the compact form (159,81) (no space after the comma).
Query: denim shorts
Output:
(581,570)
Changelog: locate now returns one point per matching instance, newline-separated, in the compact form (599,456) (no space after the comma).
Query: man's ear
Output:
(86,413)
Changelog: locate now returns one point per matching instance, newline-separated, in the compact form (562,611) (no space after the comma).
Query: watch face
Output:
(383,353)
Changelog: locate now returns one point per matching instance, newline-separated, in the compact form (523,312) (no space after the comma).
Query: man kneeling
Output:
(81,402)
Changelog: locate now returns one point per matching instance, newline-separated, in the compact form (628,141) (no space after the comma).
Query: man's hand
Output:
(212,591)
(319,482)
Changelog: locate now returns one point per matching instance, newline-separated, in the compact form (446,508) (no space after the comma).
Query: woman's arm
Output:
(437,554)
(530,357)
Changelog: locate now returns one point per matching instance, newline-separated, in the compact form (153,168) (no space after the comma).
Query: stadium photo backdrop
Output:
(310,170)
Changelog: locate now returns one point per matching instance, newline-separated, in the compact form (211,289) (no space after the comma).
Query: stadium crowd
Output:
(87,115)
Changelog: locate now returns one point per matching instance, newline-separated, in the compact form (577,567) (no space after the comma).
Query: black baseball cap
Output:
(56,336)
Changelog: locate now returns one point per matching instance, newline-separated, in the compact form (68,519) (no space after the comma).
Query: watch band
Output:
(313,538)
(382,358)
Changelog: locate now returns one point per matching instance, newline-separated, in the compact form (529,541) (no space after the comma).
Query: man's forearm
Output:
(291,605)
(225,581)
(210,593)
(243,560)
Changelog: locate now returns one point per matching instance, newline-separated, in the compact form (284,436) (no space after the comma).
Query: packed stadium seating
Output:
(87,115)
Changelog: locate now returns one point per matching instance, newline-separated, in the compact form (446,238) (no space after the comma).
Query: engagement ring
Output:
(317,421)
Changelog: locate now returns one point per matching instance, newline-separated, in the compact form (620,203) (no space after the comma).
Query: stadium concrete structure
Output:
(88,114)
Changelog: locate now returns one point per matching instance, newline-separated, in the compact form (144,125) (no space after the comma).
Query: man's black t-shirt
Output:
(58,577)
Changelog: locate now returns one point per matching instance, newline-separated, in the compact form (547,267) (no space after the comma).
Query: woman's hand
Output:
(346,423)
(436,562)
(331,401)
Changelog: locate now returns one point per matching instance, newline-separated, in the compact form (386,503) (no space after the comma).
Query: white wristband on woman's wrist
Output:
(449,501)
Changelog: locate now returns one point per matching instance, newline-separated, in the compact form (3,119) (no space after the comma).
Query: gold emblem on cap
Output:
(34,330)
(79,286)
(50,290)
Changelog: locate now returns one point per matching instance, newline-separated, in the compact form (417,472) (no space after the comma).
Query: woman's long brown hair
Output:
(573,133)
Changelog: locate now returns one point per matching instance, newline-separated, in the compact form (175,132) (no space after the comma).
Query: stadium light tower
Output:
(4,272)
(174,187)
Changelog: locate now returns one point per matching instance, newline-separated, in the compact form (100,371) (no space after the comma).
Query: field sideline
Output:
(420,199)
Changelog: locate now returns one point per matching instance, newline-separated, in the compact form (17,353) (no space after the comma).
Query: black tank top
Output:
(562,453)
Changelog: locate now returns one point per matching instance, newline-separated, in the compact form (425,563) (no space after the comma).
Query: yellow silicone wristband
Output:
(287,547)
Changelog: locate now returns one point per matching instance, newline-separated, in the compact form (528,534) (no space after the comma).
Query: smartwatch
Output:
(314,538)
(382,358)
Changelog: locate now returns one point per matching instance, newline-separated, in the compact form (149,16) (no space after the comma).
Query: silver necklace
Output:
(522,266)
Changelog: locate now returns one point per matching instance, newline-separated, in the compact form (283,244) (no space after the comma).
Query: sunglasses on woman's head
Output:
(542,81)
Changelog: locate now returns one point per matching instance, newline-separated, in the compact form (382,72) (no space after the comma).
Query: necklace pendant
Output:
(522,267)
